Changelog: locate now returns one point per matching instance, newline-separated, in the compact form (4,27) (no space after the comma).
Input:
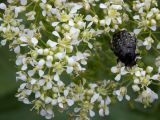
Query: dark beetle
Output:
(124,46)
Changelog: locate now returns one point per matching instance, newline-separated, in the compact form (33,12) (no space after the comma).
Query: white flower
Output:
(88,18)
(102,22)
(69,70)
(136,81)
(41,82)
(137,31)
(40,51)
(148,43)
(49,85)
(108,21)
(61,105)
(150,14)
(157,61)
(19,10)
(43,112)
(76,110)
(48,100)
(149,69)
(120,70)
(49,58)
(68,40)
(71,61)
(56,34)
(33,81)
(54,24)
(41,63)
(155,77)
(158,45)
(44,1)
(37,94)
(19,60)
(118,77)
(94,97)
(56,77)
(66,92)
(49,64)
(46,51)
(54,102)
(123,71)
(23,2)
(103,6)
(31,15)
(147,97)
(138,73)
(34,41)
(26,101)
(75,8)
(22,86)
(21,76)
(51,43)
(49,110)
(153,23)
(24,67)
(17,50)
(136,17)
(122,92)
(135,88)
(60,55)
(108,100)
(28,92)
(23,39)
(153,28)
(48,116)
(70,102)
(46,8)
(117,7)
(91,113)
(3,42)
(2,6)
(31,73)
(114,69)
(104,109)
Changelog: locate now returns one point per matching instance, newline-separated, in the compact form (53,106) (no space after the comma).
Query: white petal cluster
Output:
(119,70)
(148,42)
(121,93)
(141,80)
(147,14)
(147,97)
(114,15)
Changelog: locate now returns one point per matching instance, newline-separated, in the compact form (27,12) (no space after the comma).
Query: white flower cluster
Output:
(114,14)
(141,79)
(147,14)
(53,40)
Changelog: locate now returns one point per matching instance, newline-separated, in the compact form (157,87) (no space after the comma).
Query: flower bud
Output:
(87,6)
(153,22)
